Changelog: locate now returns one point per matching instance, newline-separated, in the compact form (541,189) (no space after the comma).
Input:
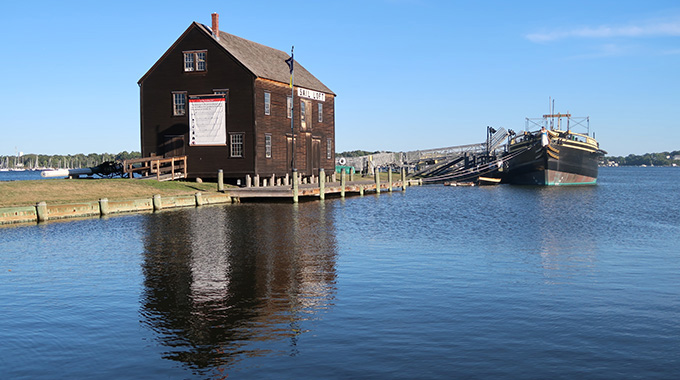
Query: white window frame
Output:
(329,149)
(195,61)
(179,103)
(320,112)
(268,145)
(236,143)
(289,106)
(267,103)
(201,60)
(305,115)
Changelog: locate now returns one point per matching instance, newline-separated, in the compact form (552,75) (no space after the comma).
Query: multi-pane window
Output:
(320,112)
(236,144)
(188,62)
(303,112)
(329,149)
(268,146)
(200,61)
(267,103)
(289,106)
(179,103)
(305,121)
(195,60)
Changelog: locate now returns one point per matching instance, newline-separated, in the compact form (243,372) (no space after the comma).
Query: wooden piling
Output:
(376,174)
(403,179)
(322,184)
(103,206)
(41,209)
(295,186)
(256,180)
(220,180)
(342,183)
(199,199)
(247,180)
(389,180)
(157,205)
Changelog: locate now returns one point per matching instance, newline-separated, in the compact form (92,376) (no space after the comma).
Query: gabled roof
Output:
(266,62)
(263,61)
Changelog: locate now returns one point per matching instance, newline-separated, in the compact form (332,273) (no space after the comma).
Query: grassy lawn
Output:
(60,191)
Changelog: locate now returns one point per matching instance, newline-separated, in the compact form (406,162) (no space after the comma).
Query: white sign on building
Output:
(207,120)
(311,94)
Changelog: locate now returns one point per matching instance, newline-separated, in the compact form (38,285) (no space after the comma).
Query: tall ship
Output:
(553,154)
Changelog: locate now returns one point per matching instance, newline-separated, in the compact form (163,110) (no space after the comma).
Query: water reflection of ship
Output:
(221,280)
(566,247)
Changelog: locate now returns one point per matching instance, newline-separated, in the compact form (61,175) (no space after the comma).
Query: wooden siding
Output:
(223,72)
(277,124)
(160,130)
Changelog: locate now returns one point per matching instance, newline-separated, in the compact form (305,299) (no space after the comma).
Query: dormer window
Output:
(195,60)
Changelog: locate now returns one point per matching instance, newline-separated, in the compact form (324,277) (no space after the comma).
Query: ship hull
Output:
(556,165)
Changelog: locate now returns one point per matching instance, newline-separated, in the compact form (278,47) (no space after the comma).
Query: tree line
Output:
(656,159)
(58,161)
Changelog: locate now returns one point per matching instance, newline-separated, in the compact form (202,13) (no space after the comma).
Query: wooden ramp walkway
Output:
(158,168)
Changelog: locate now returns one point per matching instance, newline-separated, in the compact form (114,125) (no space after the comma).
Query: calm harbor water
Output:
(436,283)
(21,175)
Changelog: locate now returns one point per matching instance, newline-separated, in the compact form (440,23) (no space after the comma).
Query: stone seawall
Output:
(43,212)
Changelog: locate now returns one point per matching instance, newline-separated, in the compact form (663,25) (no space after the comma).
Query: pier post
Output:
(295,186)
(157,205)
(351,175)
(285,180)
(199,199)
(334,177)
(273,180)
(361,190)
(103,206)
(403,179)
(389,180)
(322,184)
(247,180)
(376,174)
(256,180)
(342,183)
(41,210)
(220,180)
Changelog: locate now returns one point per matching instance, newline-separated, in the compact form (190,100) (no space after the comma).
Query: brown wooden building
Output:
(254,79)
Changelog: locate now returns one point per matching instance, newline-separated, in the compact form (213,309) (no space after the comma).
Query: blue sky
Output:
(409,74)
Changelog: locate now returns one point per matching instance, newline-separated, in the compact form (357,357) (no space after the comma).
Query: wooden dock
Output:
(314,190)
(319,188)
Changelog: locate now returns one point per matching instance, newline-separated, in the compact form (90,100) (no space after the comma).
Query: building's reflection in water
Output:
(223,282)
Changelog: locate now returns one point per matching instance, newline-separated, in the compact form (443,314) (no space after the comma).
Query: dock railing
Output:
(165,168)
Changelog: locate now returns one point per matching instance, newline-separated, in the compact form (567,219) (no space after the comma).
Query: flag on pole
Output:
(289,61)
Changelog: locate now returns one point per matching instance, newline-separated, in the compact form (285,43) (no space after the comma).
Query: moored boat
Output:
(553,156)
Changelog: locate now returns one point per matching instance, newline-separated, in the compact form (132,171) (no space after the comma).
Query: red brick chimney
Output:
(216,25)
